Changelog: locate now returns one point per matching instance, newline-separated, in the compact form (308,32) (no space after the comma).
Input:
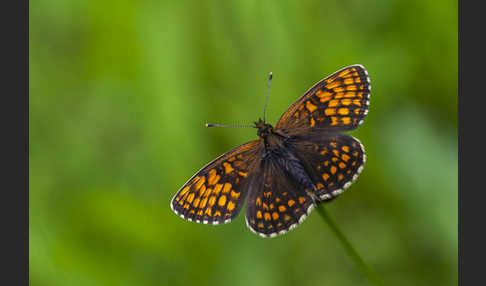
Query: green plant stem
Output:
(348,247)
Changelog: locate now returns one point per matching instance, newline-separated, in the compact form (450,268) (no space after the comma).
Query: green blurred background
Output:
(120,92)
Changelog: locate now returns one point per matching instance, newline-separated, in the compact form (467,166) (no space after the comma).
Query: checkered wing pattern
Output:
(276,203)
(333,161)
(338,102)
(216,193)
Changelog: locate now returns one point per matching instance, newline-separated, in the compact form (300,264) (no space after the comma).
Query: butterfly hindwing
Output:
(338,102)
(216,193)
(332,160)
(276,203)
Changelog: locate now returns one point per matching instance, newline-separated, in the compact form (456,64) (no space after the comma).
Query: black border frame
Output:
(15,115)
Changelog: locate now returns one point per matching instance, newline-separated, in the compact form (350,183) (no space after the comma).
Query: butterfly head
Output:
(264,129)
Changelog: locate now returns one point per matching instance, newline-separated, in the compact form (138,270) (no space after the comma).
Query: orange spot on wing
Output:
(243,174)
(222,200)
(234,194)
(208,211)
(190,198)
(282,208)
(203,203)
(346,101)
(332,85)
(333,170)
(349,81)
(339,94)
(333,103)
(343,111)
(231,206)
(342,165)
(227,168)
(265,206)
(311,107)
(212,200)
(334,120)
(350,94)
(259,214)
(217,188)
(267,216)
(291,203)
(184,191)
(320,93)
(344,73)
(202,190)
(330,111)
(196,202)
(326,98)
(275,215)
(200,183)
(211,175)
(226,188)
(301,200)
(346,120)
(345,148)
(345,157)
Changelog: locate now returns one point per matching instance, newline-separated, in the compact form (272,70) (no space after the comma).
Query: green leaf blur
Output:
(120,92)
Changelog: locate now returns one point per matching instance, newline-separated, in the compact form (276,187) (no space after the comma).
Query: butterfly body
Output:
(282,175)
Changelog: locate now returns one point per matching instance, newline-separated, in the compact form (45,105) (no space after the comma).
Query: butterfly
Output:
(302,161)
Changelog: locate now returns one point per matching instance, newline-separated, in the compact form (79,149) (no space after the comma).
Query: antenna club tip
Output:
(207,124)
(270,75)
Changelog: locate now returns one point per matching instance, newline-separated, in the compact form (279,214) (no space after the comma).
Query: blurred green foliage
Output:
(120,92)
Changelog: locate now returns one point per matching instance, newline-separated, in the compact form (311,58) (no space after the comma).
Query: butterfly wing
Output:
(216,193)
(276,203)
(333,161)
(338,102)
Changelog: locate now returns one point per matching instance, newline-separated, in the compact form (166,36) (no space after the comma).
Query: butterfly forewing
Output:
(332,160)
(276,203)
(216,193)
(338,102)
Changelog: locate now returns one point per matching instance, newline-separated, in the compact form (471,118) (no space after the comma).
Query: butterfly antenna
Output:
(233,125)
(270,76)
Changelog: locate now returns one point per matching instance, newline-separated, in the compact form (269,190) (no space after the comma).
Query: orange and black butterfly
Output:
(302,161)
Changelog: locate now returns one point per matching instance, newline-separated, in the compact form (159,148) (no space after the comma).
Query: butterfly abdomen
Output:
(293,167)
